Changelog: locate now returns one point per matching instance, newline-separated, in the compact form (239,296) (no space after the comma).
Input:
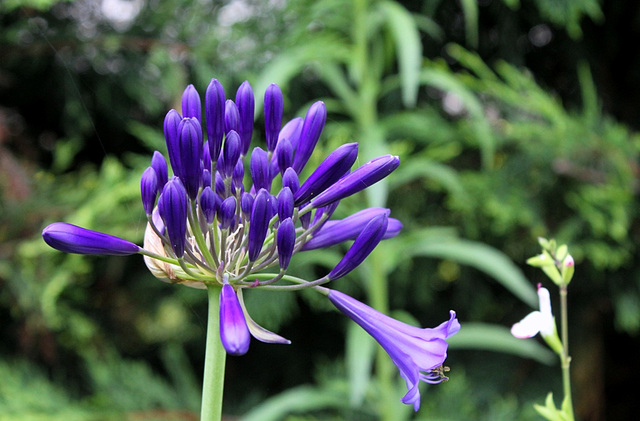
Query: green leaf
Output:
(470,11)
(488,337)
(406,36)
(360,352)
(482,257)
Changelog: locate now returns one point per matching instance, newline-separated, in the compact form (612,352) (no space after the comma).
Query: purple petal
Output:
(363,177)
(260,215)
(209,203)
(191,105)
(311,129)
(273,109)
(364,244)
(337,164)
(190,140)
(259,167)
(171,122)
(73,239)
(335,232)
(285,241)
(214,110)
(231,116)
(159,165)
(172,206)
(246,110)
(416,352)
(149,189)
(234,332)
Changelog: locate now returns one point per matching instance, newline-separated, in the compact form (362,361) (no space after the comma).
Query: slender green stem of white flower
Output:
(214,362)
(566,359)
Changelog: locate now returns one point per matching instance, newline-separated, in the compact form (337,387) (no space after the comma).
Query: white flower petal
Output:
(529,326)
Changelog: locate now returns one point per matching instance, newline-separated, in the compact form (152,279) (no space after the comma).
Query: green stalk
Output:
(566,359)
(214,361)
(379,299)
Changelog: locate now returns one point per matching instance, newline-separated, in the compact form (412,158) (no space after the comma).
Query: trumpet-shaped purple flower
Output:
(418,353)
(234,332)
(73,239)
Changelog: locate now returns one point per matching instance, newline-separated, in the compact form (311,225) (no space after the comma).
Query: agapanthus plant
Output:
(210,226)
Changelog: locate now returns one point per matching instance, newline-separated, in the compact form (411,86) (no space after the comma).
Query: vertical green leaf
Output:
(405,34)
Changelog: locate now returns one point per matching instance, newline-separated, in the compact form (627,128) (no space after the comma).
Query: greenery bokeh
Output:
(513,120)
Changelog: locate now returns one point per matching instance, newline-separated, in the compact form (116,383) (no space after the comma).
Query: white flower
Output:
(537,321)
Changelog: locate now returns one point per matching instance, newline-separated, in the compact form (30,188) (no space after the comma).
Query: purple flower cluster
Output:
(233,216)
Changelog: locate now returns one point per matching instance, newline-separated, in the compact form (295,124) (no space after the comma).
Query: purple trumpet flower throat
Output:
(418,353)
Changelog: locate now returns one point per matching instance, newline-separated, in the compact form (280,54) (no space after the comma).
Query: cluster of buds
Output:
(209,225)
(555,261)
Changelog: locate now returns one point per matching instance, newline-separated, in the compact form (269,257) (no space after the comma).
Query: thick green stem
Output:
(566,359)
(214,361)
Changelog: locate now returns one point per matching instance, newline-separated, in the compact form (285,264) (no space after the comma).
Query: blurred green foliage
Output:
(493,156)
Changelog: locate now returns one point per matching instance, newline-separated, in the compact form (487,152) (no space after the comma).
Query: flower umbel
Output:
(217,222)
(418,353)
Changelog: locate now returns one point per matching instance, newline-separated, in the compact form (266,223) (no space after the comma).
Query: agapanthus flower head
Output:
(418,353)
(219,222)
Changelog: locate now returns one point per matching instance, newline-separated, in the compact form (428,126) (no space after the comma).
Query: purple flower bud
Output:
(159,165)
(73,239)
(206,178)
(334,232)
(172,206)
(238,173)
(230,153)
(311,129)
(246,204)
(363,177)
(305,220)
(366,241)
(227,212)
(325,211)
(171,122)
(191,105)
(292,131)
(284,158)
(337,164)
(214,110)
(234,332)
(149,189)
(209,203)
(246,109)
(190,155)
(285,241)
(273,109)
(206,157)
(219,186)
(259,167)
(290,179)
(231,117)
(285,204)
(260,215)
